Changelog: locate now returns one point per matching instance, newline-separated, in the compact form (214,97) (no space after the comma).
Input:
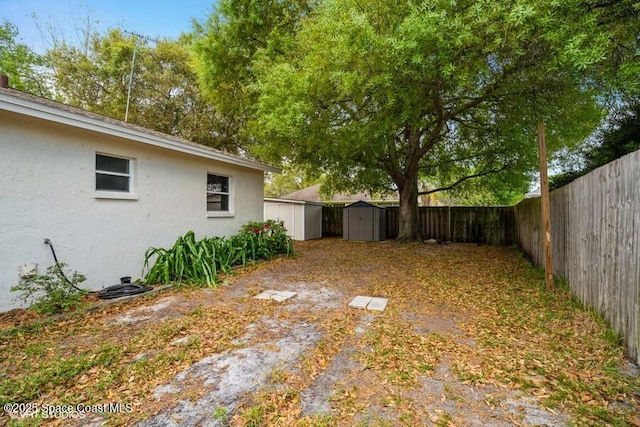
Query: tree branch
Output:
(463,179)
(440,121)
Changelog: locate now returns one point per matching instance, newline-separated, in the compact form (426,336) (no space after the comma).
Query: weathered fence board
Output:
(595,225)
(491,225)
(332,220)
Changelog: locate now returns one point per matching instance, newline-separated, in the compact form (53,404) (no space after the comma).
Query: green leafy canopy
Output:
(377,94)
(20,63)
(358,90)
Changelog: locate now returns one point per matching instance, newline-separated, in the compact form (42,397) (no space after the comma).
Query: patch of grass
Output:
(23,331)
(60,373)
(197,312)
(253,416)
(397,353)
(393,400)
(346,398)
(277,376)
(407,419)
(451,394)
(373,420)
(322,421)
(444,420)
(491,401)
(271,407)
(555,398)
(172,330)
(468,375)
(588,413)
(221,414)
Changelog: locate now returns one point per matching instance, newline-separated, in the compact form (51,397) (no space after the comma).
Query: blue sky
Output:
(159,18)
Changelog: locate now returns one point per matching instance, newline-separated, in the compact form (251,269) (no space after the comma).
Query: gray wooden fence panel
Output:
(596,237)
(434,223)
(491,225)
(332,221)
(393,223)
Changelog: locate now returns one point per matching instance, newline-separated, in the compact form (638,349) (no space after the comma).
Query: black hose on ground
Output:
(125,288)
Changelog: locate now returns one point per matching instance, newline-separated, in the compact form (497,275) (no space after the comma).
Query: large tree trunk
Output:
(409,227)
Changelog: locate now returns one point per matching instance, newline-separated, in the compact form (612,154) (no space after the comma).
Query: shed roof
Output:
(363,204)
(291,201)
(312,194)
(34,106)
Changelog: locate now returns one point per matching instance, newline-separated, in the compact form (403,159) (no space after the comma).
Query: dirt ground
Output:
(469,338)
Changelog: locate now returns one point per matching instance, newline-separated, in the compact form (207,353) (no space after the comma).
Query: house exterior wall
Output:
(47,190)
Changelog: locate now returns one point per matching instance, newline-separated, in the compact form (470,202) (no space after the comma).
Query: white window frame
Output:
(113,194)
(230,205)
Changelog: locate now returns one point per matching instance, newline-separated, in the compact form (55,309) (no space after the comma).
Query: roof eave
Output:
(69,118)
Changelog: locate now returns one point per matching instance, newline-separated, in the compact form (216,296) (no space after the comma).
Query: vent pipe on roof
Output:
(4,81)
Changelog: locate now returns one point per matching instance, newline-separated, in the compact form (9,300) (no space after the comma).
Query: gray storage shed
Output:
(303,220)
(364,222)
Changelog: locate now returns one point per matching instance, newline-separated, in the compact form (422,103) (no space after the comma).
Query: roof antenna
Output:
(133,63)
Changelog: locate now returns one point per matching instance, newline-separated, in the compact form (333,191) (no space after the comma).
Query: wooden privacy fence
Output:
(491,225)
(595,226)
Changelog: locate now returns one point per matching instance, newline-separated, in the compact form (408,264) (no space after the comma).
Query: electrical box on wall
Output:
(28,269)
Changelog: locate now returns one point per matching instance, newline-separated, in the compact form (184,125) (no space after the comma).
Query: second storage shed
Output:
(364,222)
(303,220)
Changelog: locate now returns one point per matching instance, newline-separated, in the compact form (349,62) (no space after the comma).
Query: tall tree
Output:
(17,61)
(616,73)
(615,25)
(620,136)
(289,180)
(228,45)
(379,93)
(164,93)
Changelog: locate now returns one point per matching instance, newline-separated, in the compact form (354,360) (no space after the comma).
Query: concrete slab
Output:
(377,304)
(360,302)
(369,303)
(264,295)
(279,296)
(286,294)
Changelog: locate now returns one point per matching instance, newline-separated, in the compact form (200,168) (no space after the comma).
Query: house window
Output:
(113,174)
(217,193)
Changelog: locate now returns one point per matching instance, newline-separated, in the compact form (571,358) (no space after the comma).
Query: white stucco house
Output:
(104,191)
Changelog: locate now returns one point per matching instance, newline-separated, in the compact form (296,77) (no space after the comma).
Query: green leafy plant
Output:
(266,239)
(198,262)
(51,293)
(221,414)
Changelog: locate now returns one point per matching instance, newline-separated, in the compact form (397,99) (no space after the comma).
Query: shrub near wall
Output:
(199,262)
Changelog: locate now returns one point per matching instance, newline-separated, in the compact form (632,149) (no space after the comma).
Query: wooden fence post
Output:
(546,211)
